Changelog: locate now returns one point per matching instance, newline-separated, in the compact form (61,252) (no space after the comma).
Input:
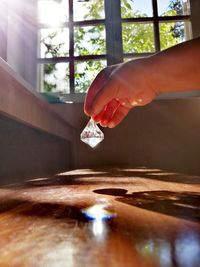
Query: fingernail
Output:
(134,103)
(103,125)
(111,125)
(137,102)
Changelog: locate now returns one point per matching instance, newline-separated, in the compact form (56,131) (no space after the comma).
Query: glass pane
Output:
(87,10)
(54,42)
(138,37)
(173,7)
(172,33)
(136,8)
(52,12)
(55,78)
(89,40)
(85,72)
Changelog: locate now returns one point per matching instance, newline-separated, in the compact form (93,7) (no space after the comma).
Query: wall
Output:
(22,38)
(3,30)
(164,134)
(26,153)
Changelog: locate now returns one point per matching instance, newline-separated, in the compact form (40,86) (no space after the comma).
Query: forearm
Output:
(175,69)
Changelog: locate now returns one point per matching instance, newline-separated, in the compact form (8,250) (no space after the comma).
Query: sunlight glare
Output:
(52,13)
(98,212)
(98,228)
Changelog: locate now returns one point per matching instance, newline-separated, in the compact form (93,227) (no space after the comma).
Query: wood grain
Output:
(141,217)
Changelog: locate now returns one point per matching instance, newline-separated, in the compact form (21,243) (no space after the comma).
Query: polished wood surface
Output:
(103,217)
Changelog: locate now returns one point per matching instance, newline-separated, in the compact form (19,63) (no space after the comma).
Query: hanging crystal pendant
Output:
(91,134)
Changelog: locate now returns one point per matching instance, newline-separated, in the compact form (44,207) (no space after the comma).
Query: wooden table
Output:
(103,217)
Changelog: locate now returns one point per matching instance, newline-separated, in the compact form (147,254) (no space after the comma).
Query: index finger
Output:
(96,87)
(106,95)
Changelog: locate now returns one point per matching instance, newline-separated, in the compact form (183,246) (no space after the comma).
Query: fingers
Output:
(112,114)
(107,93)
(118,116)
(96,87)
(107,113)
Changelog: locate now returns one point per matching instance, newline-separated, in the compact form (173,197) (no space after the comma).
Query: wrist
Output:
(154,75)
(144,89)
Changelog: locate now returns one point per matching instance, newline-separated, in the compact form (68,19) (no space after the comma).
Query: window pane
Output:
(54,42)
(138,37)
(52,12)
(173,7)
(55,77)
(136,8)
(172,33)
(89,40)
(85,72)
(87,10)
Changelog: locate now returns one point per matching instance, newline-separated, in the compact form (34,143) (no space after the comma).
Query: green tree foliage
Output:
(177,6)
(85,72)
(137,38)
(178,28)
(89,40)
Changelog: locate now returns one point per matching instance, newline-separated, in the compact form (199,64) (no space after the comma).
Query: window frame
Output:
(114,49)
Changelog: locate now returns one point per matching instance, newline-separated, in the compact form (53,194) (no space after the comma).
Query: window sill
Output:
(19,101)
(54,98)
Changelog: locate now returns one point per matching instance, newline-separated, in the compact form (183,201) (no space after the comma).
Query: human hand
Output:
(116,90)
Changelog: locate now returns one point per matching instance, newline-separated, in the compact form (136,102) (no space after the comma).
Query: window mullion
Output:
(156,25)
(195,11)
(71,47)
(113,31)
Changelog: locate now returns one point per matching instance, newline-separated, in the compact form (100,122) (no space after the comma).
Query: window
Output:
(77,38)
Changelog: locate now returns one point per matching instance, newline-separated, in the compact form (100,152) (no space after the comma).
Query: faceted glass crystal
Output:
(92,135)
